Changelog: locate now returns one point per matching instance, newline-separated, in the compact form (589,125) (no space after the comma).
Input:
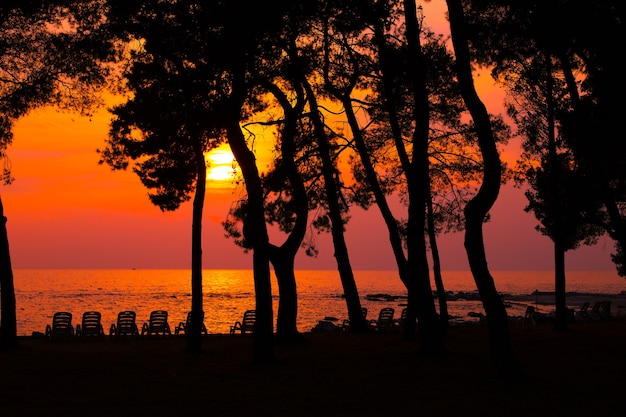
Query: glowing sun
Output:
(221,167)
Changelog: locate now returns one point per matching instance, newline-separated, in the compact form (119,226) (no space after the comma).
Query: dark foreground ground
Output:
(577,373)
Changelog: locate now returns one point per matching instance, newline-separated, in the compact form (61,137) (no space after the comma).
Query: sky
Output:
(64,210)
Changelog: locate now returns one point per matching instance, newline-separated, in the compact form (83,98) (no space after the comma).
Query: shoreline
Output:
(227,294)
(543,301)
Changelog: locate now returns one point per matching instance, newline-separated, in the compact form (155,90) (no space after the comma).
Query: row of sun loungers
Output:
(386,321)
(158,324)
(600,311)
(126,325)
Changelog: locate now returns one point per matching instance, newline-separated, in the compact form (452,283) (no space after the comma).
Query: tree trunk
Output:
(420,294)
(194,335)
(283,257)
(478,207)
(561,317)
(396,132)
(617,221)
(353,303)
(554,192)
(8,315)
(434,250)
(395,238)
(255,232)
(287,316)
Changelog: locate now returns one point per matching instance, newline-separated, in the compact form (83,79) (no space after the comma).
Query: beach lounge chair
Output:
(126,324)
(385,321)
(583,312)
(91,324)
(157,325)
(600,311)
(605,310)
(184,325)
(532,316)
(246,325)
(400,322)
(61,326)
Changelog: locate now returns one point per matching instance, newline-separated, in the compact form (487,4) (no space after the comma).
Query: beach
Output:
(228,293)
(575,373)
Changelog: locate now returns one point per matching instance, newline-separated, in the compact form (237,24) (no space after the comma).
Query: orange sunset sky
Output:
(66,211)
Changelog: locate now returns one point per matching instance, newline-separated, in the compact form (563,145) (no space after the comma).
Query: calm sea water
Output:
(228,293)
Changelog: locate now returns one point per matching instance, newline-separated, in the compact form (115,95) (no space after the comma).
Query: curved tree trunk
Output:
(254,226)
(353,303)
(477,209)
(255,231)
(8,315)
(194,335)
(283,256)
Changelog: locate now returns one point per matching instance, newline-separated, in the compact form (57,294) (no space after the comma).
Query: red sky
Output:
(66,211)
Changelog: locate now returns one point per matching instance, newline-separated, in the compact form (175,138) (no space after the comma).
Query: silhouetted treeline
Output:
(365,103)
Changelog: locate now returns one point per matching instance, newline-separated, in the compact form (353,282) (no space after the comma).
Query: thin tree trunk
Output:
(560,322)
(434,250)
(353,303)
(561,315)
(420,294)
(395,238)
(478,207)
(254,226)
(617,229)
(255,231)
(403,157)
(8,315)
(194,336)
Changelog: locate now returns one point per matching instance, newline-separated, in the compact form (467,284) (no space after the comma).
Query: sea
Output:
(228,293)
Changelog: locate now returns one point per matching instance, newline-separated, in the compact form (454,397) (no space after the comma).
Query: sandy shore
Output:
(576,373)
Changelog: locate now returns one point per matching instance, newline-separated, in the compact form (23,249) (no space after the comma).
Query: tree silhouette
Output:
(592,77)
(559,192)
(545,73)
(453,160)
(171,121)
(478,207)
(51,53)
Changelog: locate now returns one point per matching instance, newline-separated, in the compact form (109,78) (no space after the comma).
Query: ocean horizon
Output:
(227,293)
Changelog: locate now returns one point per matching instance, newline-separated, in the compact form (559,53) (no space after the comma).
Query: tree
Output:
(477,208)
(545,73)
(283,256)
(172,119)
(321,172)
(285,183)
(51,53)
(510,33)
(559,191)
(285,204)
(452,163)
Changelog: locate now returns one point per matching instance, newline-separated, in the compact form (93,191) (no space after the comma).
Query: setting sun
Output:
(221,167)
